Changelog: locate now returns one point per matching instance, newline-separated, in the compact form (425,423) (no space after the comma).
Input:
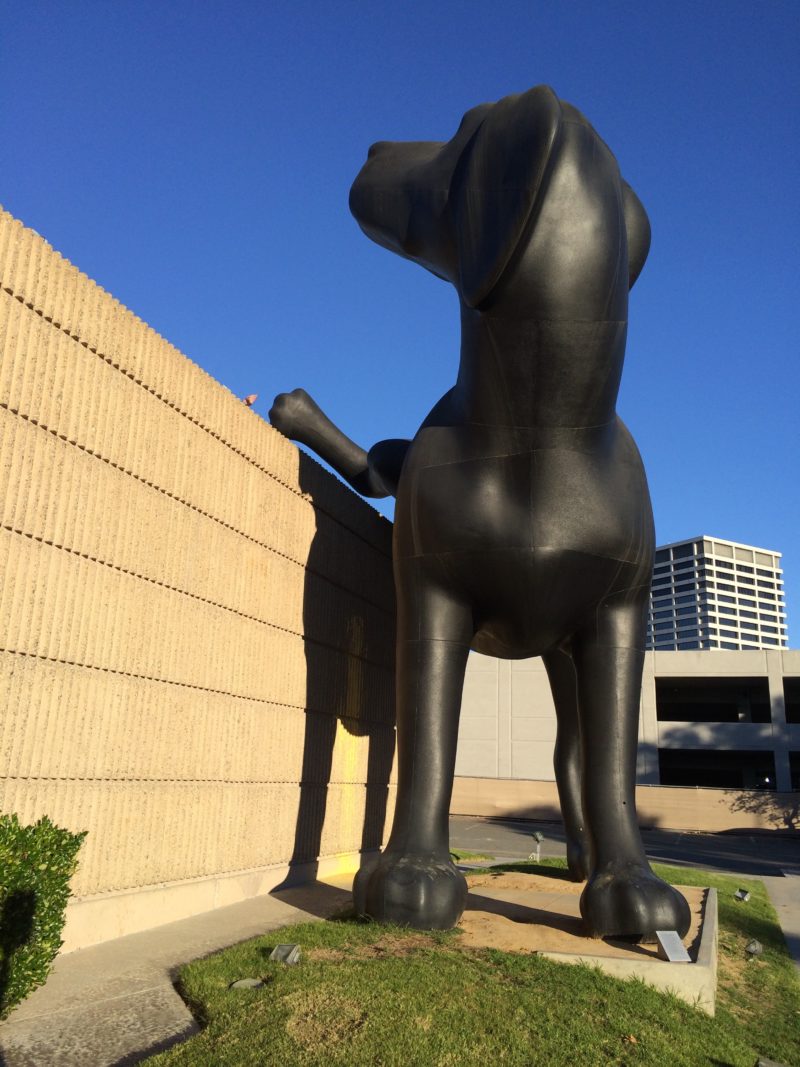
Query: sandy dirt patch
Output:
(518,912)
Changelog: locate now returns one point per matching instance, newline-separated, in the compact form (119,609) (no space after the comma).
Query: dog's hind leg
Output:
(567,761)
(623,898)
(374,473)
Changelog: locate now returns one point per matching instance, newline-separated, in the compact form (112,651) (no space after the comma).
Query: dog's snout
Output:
(373,149)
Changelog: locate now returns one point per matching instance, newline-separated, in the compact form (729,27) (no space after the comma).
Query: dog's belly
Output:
(533,541)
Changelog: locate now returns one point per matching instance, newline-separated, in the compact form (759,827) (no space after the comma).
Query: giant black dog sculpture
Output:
(523,524)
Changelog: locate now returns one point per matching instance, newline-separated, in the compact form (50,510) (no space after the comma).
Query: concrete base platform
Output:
(520,912)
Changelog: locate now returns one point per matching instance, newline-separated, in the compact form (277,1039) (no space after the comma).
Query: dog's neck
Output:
(530,372)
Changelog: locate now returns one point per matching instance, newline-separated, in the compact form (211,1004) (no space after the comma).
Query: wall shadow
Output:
(349,681)
(16,929)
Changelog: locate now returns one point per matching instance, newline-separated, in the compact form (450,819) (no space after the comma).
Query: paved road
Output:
(753,854)
(773,858)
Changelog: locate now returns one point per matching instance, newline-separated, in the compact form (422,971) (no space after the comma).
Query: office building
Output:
(709,593)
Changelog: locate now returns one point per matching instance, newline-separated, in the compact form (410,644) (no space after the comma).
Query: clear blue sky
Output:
(195,158)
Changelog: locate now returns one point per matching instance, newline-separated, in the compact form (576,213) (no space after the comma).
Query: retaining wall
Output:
(196,620)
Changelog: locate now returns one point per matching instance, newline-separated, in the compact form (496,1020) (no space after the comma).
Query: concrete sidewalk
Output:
(115,1004)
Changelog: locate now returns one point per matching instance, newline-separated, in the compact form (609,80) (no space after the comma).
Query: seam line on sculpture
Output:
(171,404)
(542,429)
(195,596)
(164,681)
(185,503)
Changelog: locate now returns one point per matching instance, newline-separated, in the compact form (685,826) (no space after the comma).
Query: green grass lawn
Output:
(366,994)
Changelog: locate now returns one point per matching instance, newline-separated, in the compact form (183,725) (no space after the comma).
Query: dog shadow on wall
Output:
(349,693)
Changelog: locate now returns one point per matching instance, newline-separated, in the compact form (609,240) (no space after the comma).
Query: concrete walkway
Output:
(115,1004)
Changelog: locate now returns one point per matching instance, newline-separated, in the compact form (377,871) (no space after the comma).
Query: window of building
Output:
(748,614)
(725,599)
(688,646)
(724,610)
(743,569)
(764,574)
(662,555)
(728,644)
(765,585)
(794,770)
(724,563)
(685,599)
(662,626)
(662,614)
(712,700)
(706,631)
(706,585)
(748,625)
(726,586)
(746,581)
(728,633)
(682,551)
(747,603)
(769,629)
(659,582)
(689,610)
(717,769)
(769,641)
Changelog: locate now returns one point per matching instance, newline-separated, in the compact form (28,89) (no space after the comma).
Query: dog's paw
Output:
(631,902)
(424,891)
(290,412)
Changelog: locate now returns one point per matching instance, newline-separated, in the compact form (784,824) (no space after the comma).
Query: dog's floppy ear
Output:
(496,183)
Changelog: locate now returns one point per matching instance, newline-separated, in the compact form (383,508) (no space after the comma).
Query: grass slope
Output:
(374,995)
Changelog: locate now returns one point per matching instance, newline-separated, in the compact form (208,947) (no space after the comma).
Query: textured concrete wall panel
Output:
(196,620)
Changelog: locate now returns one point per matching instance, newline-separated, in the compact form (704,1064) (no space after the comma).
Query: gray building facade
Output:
(724,719)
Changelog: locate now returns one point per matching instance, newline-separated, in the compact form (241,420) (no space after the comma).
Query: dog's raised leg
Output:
(374,473)
(623,897)
(567,761)
(415,882)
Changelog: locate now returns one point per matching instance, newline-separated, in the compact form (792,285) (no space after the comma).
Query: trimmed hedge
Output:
(36,864)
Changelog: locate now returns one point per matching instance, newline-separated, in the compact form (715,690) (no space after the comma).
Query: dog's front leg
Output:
(374,473)
(415,882)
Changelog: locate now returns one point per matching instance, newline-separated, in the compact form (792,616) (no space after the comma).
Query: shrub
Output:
(36,864)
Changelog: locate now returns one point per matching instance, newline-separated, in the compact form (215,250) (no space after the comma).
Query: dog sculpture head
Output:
(461,208)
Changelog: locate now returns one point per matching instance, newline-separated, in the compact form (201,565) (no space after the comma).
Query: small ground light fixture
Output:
(538,837)
(286,954)
(742,894)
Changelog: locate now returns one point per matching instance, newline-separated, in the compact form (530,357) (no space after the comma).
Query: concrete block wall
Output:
(196,620)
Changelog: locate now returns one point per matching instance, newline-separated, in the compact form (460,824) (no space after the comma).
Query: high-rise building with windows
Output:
(711,593)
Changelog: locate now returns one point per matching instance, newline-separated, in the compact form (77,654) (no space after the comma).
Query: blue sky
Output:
(196,157)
